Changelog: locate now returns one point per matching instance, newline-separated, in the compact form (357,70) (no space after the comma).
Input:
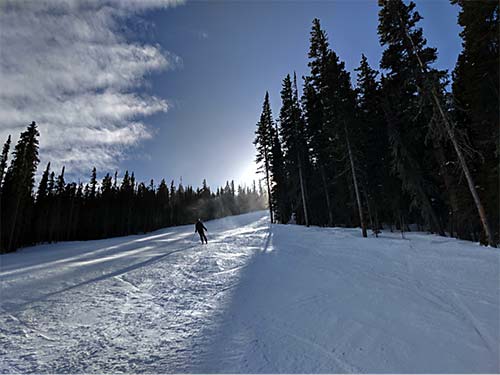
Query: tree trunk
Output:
(433,217)
(402,226)
(377,224)
(356,190)
(473,190)
(327,196)
(269,200)
(14,221)
(370,216)
(70,219)
(302,191)
(448,183)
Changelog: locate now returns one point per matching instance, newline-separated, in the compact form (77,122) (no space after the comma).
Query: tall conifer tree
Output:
(3,166)
(279,188)
(475,103)
(264,145)
(406,109)
(3,160)
(17,196)
(317,105)
(294,145)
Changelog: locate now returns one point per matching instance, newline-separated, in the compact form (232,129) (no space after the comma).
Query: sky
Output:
(172,89)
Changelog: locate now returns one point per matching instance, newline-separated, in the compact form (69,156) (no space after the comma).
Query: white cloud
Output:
(67,65)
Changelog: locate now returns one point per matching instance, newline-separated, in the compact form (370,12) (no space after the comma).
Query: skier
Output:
(200,228)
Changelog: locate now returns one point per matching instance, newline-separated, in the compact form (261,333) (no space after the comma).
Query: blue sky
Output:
(232,53)
(187,81)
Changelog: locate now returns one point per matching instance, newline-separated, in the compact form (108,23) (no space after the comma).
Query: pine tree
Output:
(279,189)
(58,209)
(107,193)
(60,183)
(475,105)
(70,194)
(428,83)
(43,188)
(3,160)
(51,184)
(476,77)
(343,113)
(164,203)
(264,144)
(127,191)
(93,184)
(17,191)
(329,101)
(173,202)
(42,207)
(303,161)
(406,109)
(292,129)
(3,166)
(355,182)
(316,104)
(381,189)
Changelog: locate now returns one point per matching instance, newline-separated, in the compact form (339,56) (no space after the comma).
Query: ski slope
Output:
(256,299)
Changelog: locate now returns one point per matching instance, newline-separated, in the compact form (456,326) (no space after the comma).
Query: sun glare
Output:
(248,174)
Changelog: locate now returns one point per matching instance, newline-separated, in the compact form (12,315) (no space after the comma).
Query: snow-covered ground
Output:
(255,299)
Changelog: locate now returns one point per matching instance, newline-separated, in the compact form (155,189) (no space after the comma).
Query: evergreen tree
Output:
(264,145)
(296,160)
(127,191)
(42,206)
(428,82)
(107,194)
(317,105)
(346,126)
(3,166)
(3,160)
(381,189)
(330,112)
(93,184)
(173,202)
(164,203)
(51,184)
(17,191)
(475,107)
(279,188)
(406,109)
(58,210)
(60,183)
(70,194)
(43,187)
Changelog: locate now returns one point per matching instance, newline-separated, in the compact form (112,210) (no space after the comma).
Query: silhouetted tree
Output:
(475,113)
(17,191)
(264,144)
(407,111)
(294,146)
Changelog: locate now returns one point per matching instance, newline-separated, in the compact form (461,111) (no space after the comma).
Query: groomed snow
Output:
(257,298)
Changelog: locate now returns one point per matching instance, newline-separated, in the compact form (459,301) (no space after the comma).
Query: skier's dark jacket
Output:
(199,227)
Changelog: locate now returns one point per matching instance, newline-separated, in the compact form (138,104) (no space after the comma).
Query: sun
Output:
(248,174)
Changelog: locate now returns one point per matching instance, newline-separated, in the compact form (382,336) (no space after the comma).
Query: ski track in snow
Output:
(256,299)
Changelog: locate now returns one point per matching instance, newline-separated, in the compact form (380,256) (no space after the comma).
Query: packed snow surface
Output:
(257,298)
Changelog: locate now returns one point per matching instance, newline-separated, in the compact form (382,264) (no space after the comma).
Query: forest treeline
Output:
(400,147)
(60,211)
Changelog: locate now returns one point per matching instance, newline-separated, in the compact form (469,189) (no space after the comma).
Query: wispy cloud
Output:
(69,66)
